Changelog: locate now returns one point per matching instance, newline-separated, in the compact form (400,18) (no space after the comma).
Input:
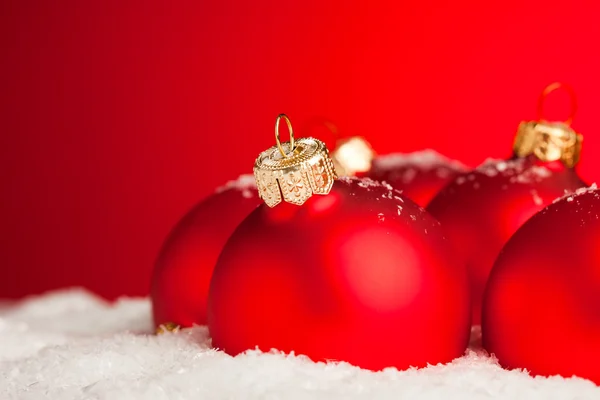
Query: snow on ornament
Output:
(184,266)
(542,302)
(354,273)
(482,209)
(419,175)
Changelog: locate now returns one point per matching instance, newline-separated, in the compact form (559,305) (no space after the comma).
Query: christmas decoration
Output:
(184,266)
(480,210)
(542,303)
(351,155)
(360,274)
(419,175)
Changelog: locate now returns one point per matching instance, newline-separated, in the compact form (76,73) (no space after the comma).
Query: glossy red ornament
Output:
(361,275)
(186,261)
(480,210)
(419,175)
(542,304)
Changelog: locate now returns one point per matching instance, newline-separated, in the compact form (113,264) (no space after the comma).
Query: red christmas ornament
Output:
(186,261)
(481,210)
(419,175)
(542,303)
(360,275)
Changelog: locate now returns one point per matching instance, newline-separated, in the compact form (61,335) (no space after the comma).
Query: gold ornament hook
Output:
(550,141)
(554,87)
(292,142)
(295,176)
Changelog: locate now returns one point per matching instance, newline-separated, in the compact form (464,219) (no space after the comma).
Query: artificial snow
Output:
(245,183)
(72,345)
(425,159)
(581,191)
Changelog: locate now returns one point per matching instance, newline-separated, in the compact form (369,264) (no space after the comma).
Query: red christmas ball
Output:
(186,261)
(419,175)
(542,303)
(360,275)
(480,210)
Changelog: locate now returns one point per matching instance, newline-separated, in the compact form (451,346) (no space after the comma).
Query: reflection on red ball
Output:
(361,275)
(542,304)
(419,175)
(481,210)
(185,264)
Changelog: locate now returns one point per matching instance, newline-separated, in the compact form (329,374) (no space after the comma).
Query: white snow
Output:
(71,345)
(518,170)
(246,183)
(425,159)
(593,188)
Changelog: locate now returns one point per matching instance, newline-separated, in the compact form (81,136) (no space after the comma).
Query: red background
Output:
(117,117)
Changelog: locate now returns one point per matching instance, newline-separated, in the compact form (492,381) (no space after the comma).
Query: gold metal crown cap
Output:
(352,155)
(550,141)
(293,171)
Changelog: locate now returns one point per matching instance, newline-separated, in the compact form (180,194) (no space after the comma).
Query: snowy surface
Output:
(71,345)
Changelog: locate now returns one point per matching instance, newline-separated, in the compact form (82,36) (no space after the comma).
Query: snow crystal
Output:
(570,196)
(425,159)
(489,167)
(517,169)
(72,345)
(366,183)
(246,183)
(381,217)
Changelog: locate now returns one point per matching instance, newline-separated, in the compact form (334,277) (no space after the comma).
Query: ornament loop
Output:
(551,88)
(292,142)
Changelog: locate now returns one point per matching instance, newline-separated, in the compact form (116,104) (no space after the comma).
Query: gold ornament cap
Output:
(167,327)
(352,155)
(550,141)
(293,171)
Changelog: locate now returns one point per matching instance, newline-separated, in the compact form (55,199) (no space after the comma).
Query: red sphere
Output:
(186,261)
(481,210)
(542,304)
(419,175)
(360,275)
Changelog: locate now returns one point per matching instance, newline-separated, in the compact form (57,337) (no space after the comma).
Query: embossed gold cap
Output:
(293,171)
(550,141)
(352,155)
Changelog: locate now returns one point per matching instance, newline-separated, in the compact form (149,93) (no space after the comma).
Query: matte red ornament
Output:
(481,210)
(419,175)
(360,275)
(186,261)
(542,303)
